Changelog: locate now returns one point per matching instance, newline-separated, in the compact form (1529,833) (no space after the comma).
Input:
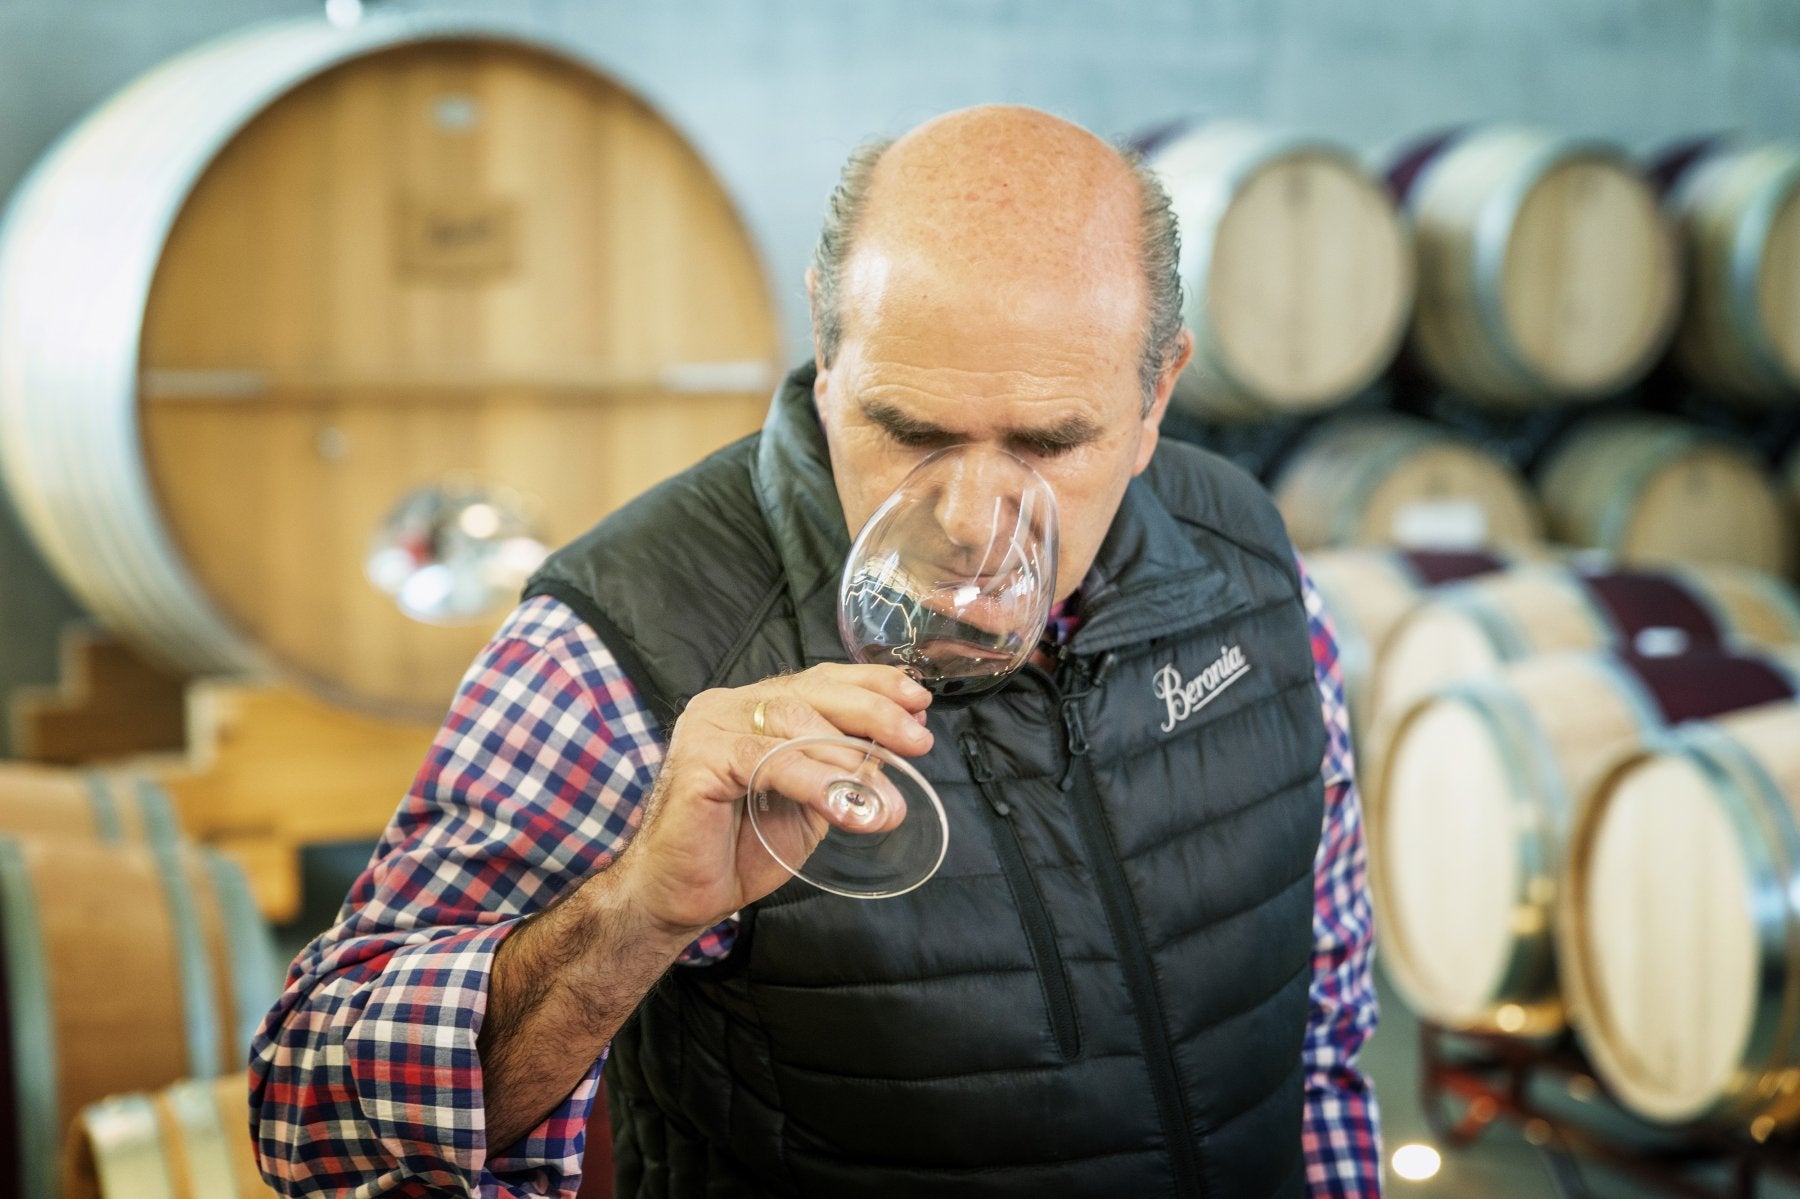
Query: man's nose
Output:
(972,505)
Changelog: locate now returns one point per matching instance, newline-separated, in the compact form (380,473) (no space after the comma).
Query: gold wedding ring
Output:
(756,718)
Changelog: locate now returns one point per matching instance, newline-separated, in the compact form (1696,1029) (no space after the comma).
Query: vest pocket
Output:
(1029,899)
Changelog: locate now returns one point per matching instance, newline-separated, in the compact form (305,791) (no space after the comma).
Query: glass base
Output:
(847,816)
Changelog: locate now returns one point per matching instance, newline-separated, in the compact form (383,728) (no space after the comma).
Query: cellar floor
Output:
(1500,1164)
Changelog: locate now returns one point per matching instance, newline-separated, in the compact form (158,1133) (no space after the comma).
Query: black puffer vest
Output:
(1103,992)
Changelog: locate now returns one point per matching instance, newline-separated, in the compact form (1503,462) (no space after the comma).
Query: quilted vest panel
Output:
(1104,989)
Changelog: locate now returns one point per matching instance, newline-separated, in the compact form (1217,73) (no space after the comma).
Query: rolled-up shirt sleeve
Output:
(365,1077)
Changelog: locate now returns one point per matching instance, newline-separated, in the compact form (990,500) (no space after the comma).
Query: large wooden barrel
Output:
(1679,934)
(1297,275)
(1651,490)
(112,806)
(1468,821)
(305,278)
(187,1141)
(1366,592)
(1472,628)
(125,968)
(1385,479)
(1738,211)
(1547,270)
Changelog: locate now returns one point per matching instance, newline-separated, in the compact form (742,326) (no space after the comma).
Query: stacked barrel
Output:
(1499,704)
(312,341)
(130,959)
(1556,533)
(183,1142)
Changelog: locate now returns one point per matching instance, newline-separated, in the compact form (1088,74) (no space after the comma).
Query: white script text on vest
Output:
(1184,699)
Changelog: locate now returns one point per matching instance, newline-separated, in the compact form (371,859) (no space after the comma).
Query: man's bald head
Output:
(1008,200)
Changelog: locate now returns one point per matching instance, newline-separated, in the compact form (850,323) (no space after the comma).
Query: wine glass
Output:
(951,580)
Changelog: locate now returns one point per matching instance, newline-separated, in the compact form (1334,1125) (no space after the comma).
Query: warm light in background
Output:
(1416,1163)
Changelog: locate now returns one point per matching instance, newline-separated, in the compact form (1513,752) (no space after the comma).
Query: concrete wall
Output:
(775,92)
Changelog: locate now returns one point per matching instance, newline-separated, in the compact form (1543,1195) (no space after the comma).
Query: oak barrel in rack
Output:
(1547,270)
(188,1141)
(1650,490)
(1296,272)
(1366,592)
(192,1141)
(111,806)
(1471,628)
(1679,936)
(1468,820)
(1738,209)
(1386,479)
(125,968)
(320,269)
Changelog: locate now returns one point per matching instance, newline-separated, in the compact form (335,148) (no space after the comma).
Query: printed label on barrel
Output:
(1707,682)
(1451,524)
(1434,568)
(1653,613)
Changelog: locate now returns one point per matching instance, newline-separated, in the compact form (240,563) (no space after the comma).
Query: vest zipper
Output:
(1121,914)
(1075,735)
(1036,917)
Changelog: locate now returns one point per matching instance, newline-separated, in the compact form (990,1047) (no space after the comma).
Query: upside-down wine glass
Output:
(951,580)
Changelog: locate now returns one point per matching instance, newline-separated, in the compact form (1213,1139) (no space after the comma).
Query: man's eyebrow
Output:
(903,425)
(1063,435)
(1066,434)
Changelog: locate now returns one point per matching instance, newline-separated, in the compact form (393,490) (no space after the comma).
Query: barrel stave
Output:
(1387,479)
(1681,938)
(1468,821)
(1296,274)
(1546,269)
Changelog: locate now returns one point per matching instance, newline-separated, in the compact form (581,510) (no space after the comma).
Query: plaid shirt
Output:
(365,1077)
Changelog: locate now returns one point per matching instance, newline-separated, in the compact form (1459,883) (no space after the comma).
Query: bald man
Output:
(1142,970)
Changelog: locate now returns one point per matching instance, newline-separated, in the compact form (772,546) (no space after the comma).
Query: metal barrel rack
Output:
(1470,1080)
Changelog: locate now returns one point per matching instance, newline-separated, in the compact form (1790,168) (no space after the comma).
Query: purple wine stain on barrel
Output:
(1640,601)
(1157,136)
(1667,168)
(1403,175)
(1707,682)
(1434,568)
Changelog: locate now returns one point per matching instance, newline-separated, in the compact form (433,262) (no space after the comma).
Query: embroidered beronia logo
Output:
(1184,699)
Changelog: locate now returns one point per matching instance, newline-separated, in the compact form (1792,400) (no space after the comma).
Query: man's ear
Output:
(1151,429)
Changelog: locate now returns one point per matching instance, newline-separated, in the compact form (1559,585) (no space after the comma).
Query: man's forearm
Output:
(563,983)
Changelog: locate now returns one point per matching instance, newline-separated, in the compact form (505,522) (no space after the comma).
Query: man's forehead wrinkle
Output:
(964,390)
(1050,366)
(894,399)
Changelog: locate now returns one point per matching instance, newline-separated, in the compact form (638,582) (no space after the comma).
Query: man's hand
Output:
(696,859)
(565,980)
